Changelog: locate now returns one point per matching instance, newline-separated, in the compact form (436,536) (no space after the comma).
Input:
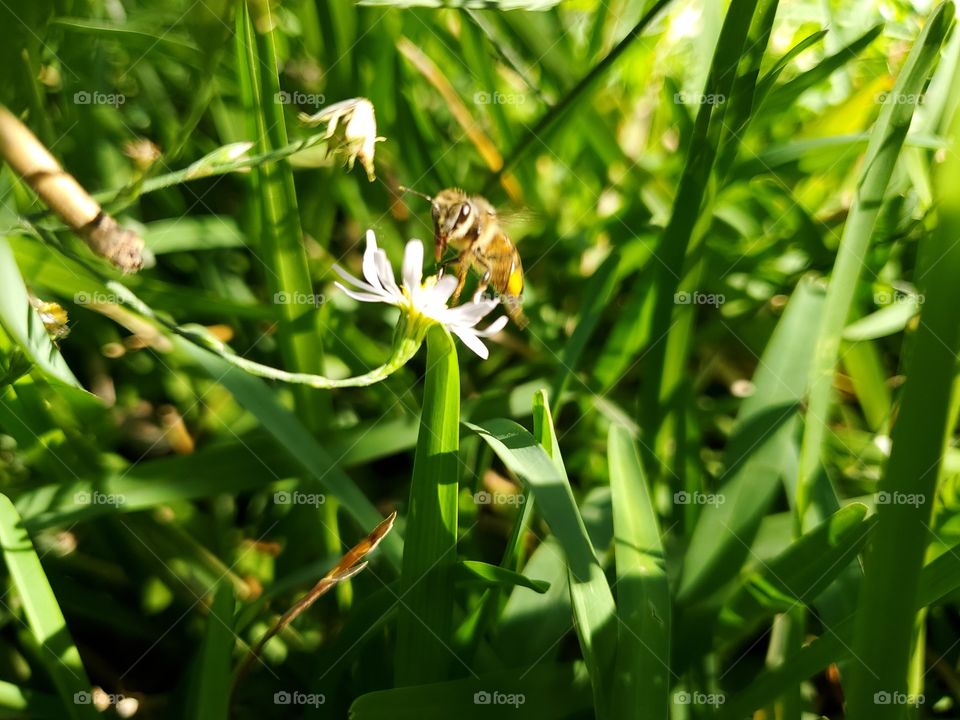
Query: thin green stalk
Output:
(536,133)
(425,619)
(693,194)
(281,248)
(882,153)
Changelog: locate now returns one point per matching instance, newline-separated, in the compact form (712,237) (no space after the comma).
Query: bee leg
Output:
(461,281)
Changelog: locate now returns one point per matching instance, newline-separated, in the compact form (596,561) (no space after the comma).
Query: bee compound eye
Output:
(464,212)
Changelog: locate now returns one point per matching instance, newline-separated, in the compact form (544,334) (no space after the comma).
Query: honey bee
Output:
(469,224)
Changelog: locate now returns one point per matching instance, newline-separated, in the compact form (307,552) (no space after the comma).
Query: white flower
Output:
(421,298)
(357,122)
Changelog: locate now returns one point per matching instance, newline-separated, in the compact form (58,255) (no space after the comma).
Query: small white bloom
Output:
(420,298)
(358,124)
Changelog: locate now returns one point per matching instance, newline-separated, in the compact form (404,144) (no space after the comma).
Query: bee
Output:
(470,225)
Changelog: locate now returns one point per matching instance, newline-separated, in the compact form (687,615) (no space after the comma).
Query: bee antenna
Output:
(404,188)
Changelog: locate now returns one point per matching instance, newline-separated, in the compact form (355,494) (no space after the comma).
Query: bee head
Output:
(454,217)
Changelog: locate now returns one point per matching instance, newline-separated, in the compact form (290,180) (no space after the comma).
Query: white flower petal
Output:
(412,266)
(370,261)
(385,273)
(348,277)
(494,327)
(469,314)
(469,339)
(444,288)
(363,296)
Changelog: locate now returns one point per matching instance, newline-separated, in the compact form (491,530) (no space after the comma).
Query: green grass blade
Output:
(642,673)
(210,694)
(22,322)
(545,691)
(883,150)
(755,466)
(687,205)
(889,595)
(781,98)
(253,394)
(593,604)
(425,619)
(596,295)
(472,570)
(798,574)
(59,655)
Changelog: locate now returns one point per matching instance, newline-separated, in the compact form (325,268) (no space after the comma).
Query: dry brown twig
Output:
(64,195)
(350,564)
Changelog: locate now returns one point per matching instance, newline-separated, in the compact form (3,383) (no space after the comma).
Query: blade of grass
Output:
(210,694)
(540,128)
(425,620)
(546,691)
(641,683)
(47,626)
(765,428)
(253,393)
(883,150)
(281,246)
(889,595)
(798,574)
(593,604)
(22,322)
(691,197)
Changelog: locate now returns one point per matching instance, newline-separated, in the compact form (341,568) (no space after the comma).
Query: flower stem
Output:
(425,619)
(404,348)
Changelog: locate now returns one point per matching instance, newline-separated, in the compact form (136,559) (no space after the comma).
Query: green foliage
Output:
(715,476)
